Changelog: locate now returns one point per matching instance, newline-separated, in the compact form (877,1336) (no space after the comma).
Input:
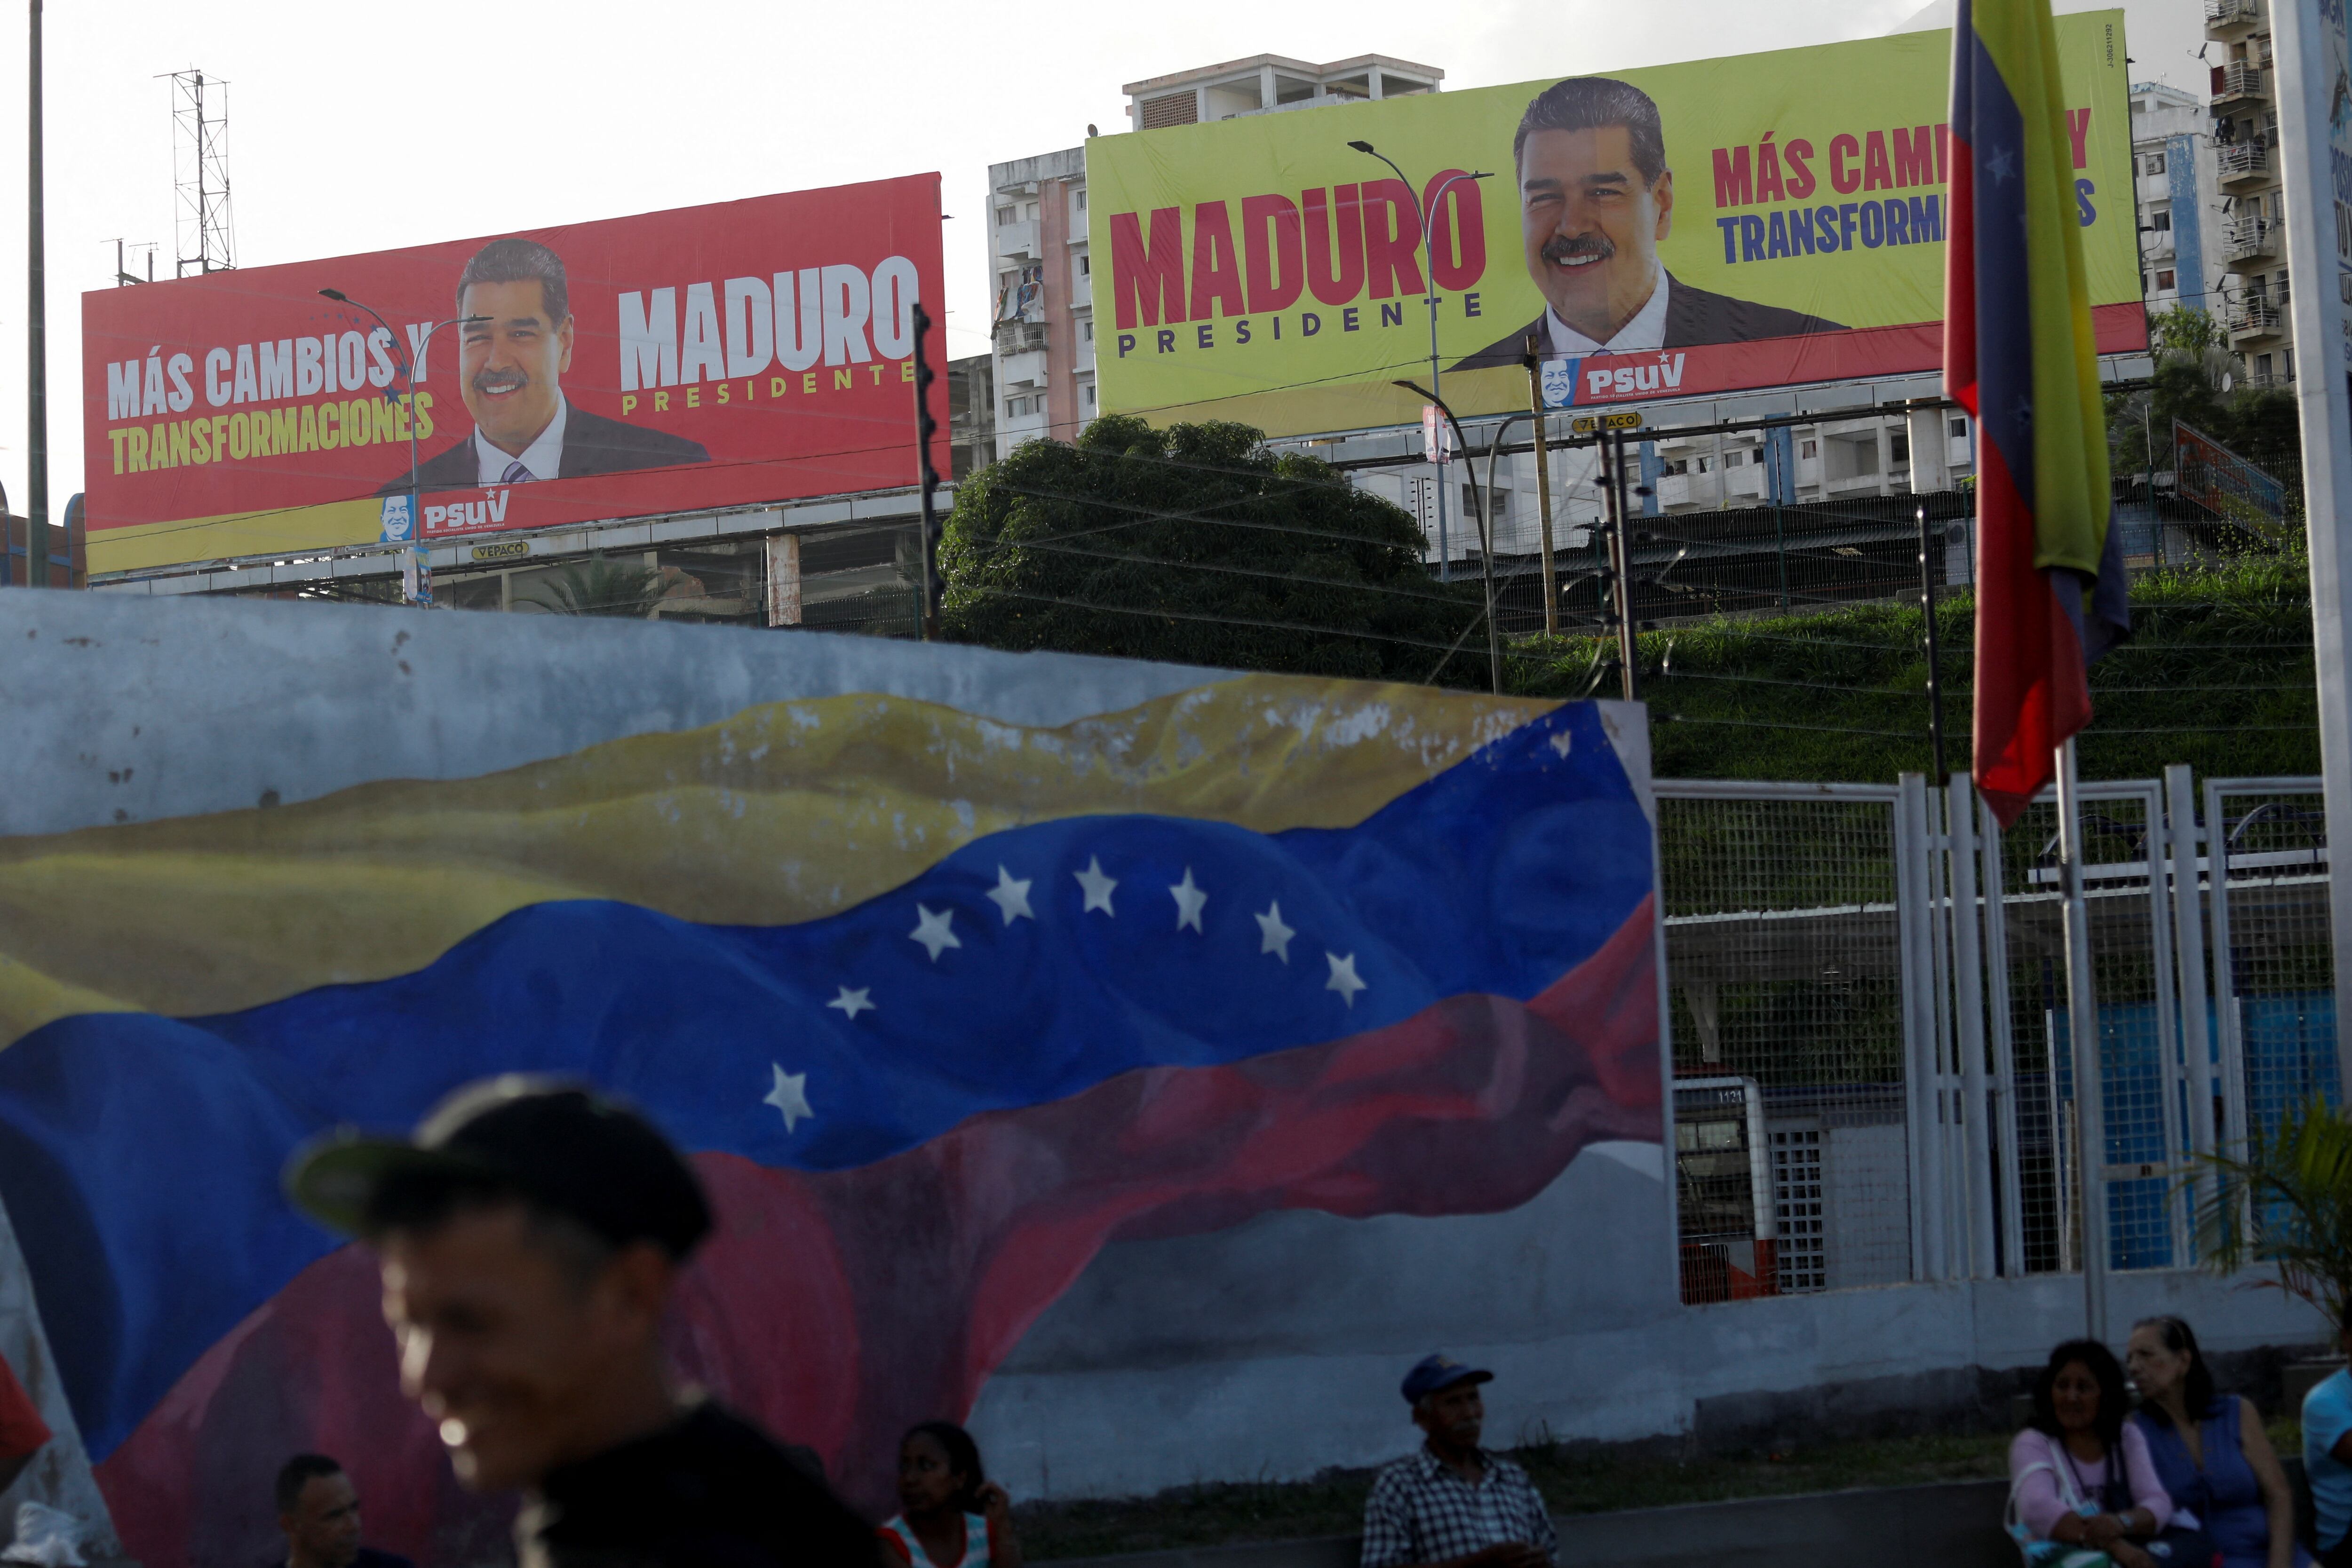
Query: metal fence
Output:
(1876,1078)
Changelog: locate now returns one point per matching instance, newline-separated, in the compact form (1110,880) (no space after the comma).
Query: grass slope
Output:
(2219,675)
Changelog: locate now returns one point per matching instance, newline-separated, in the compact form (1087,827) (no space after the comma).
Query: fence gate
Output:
(1875,1079)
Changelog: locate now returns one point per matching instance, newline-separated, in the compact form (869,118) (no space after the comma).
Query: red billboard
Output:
(716,356)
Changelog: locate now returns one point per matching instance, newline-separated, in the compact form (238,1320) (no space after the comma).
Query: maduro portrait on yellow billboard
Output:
(1720,225)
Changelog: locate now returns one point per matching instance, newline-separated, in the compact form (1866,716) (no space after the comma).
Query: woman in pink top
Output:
(2079,1475)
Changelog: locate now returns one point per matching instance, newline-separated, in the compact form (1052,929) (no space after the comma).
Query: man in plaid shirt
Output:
(1450,1504)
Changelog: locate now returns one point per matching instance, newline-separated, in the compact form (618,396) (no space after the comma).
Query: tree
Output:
(1194,544)
(2192,361)
(2286,1201)
(599,587)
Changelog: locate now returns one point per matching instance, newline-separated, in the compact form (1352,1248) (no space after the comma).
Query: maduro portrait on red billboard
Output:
(725,355)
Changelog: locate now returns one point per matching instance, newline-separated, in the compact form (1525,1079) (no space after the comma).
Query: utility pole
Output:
(1621,557)
(36,337)
(1543,484)
(206,237)
(925,428)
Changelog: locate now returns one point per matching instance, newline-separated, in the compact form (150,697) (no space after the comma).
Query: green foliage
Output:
(2177,330)
(2191,359)
(599,587)
(2287,1203)
(2219,675)
(1194,545)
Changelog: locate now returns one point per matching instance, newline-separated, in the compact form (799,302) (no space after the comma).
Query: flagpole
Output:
(2082,1033)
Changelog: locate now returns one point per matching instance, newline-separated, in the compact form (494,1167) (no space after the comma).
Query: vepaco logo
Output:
(457,515)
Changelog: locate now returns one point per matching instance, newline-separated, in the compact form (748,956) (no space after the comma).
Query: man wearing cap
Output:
(1451,1503)
(530,1236)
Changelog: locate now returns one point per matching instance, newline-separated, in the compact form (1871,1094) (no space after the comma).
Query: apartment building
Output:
(2245,138)
(1268,84)
(2184,228)
(1044,345)
(1044,349)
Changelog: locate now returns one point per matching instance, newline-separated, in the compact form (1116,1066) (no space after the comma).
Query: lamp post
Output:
(408,376)
(1485,543)
(37,341)
(1421,214)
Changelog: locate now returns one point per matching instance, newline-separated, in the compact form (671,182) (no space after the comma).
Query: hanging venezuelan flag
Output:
(941,1005)
(2019,354)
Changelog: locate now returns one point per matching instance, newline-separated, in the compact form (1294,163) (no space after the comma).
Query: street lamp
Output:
(408,376)
(1445,561)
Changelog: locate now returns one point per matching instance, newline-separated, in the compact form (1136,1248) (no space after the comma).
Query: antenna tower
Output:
(200,171)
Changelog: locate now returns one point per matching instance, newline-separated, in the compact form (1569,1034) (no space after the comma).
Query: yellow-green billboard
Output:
(1720,225)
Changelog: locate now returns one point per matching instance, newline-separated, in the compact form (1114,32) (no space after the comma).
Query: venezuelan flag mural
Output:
(942,1005)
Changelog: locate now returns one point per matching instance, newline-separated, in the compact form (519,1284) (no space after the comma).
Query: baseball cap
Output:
(556,1143)
(1435,1372)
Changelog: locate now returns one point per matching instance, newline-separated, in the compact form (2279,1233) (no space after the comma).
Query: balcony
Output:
(2243,164)
(2270,381)
(1017,241)
(2238,82)
(1021,370)
(2252,242)
(2229,16)
(2255,319)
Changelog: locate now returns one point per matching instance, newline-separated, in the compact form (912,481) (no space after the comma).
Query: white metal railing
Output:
(2253,318)
(1885,954)
(2244,161)
(2232,12)
(2239,80)
(2247,241)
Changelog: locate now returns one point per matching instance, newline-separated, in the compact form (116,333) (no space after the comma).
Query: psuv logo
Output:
(459,517)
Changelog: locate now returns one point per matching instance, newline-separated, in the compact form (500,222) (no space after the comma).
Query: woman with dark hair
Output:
(954,1517)
(2210,1454)
(2080,1476)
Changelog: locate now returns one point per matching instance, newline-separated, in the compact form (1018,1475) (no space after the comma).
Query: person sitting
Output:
(954,1517)
(1451,1503)
(318,1512)
(2210,1454)
(2080,1475)
(2328,1457)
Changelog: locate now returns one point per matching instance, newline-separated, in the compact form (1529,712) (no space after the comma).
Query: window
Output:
(2160,219)
(2164,280)
(1801,1256)
(1898,446)
(2263,366)
(1090,394)
(1085,266)
(1960,429)
(1734,458)
(1030,211)
(1675,469)
(1086,328)
(1808,449)
(1018,407)
(2156,163)
(1003,217)
(1498,498)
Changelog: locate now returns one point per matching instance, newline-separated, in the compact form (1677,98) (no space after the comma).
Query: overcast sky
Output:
(360,130)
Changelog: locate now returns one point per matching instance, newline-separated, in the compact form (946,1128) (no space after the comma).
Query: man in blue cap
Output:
(1450,1504)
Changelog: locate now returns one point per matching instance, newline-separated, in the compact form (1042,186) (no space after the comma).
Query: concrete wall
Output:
(1606,1359)
(1957,1525)
(1270,1349)
(128,710)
